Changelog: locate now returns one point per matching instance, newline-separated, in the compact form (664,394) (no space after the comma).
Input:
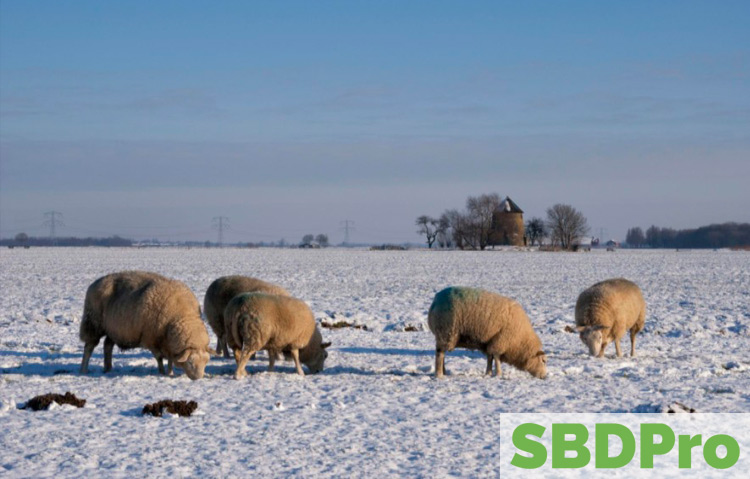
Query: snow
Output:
(376,410)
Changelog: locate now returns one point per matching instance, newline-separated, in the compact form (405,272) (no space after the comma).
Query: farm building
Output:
(507,225)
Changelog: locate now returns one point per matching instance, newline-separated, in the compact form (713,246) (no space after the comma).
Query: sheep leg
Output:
(244,355)
(488,371)
(633,332)
(295,356)
(221,347)
(498,371)
(170,370)
(439,363)
(617,348)
(108,347)
(160,364)
(271,361)
(88,349)
(601,350)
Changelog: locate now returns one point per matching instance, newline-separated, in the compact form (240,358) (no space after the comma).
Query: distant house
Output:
(507,225)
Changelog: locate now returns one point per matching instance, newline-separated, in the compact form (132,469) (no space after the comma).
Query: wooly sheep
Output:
(221,291)
(606,310)
(495,325)
(140,309)
(255,321)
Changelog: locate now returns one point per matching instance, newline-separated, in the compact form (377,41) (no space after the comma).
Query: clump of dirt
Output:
(342,324)
(181,408)
(43,401)
(678,407)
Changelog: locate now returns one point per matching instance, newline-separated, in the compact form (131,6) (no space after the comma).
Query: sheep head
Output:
(193,361)
(537,365)
(315,365)
(592,336)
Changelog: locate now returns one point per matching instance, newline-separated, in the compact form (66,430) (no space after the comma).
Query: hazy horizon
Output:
(150,119)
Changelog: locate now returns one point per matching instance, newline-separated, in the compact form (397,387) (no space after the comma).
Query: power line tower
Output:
(348,226)
(221,223)
(53,222)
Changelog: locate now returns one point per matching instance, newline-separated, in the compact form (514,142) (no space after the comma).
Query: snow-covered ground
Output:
(376,410)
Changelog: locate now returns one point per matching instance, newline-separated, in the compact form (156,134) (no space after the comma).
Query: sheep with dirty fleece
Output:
(606,310)
(256,321)
(221,291)
(141,309)
(493,324)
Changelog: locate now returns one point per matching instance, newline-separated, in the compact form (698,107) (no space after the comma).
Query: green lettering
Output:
(713,460)
(649,449)
(686,445)
(603,459)
(577,444)
(522,442)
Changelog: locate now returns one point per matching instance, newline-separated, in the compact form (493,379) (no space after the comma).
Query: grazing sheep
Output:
(477,319)
(139,309)
(606,310)
(255,321)
(224,289)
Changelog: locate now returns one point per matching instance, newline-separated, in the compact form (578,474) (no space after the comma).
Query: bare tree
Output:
(566,225)
(444,234)
(481,211)
(536,230)
(22,238)
(635,237)
(322,240)
(307,239)
(428,226)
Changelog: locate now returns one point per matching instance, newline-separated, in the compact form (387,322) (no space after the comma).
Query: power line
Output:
(221,223)
(348,226)
(53,222)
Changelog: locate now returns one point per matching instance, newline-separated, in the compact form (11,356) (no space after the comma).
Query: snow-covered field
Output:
(376,410)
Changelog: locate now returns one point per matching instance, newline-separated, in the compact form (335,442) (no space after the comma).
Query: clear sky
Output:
(145,118)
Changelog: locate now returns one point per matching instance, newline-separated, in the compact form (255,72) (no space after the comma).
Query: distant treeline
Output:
(71,241)
(725,235)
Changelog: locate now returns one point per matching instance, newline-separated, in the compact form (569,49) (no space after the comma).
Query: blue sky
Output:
(150,118)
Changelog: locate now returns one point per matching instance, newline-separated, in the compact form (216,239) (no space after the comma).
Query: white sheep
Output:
(224,289)
(495,325)
(606,310)
(140,309)
(255,321)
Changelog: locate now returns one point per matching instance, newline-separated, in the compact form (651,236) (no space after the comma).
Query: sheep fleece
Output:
(223,289)
(274,323)
(136,308)
(478,319)
(616,304)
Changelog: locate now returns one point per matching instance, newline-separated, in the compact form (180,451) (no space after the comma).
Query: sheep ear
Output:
(183,357)
(579,328)
(570,329)
(325,345)
(541,353)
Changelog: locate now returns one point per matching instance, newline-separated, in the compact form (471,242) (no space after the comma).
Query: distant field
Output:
(376,409)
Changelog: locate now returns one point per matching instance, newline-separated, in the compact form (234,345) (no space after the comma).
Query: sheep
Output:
(255,321)
(141,309)
(497,326)
(605,311)
(224,289)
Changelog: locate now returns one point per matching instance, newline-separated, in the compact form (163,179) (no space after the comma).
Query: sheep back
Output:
(263,321)
(142,309)
(477,319)
(617,304)
(223,289)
